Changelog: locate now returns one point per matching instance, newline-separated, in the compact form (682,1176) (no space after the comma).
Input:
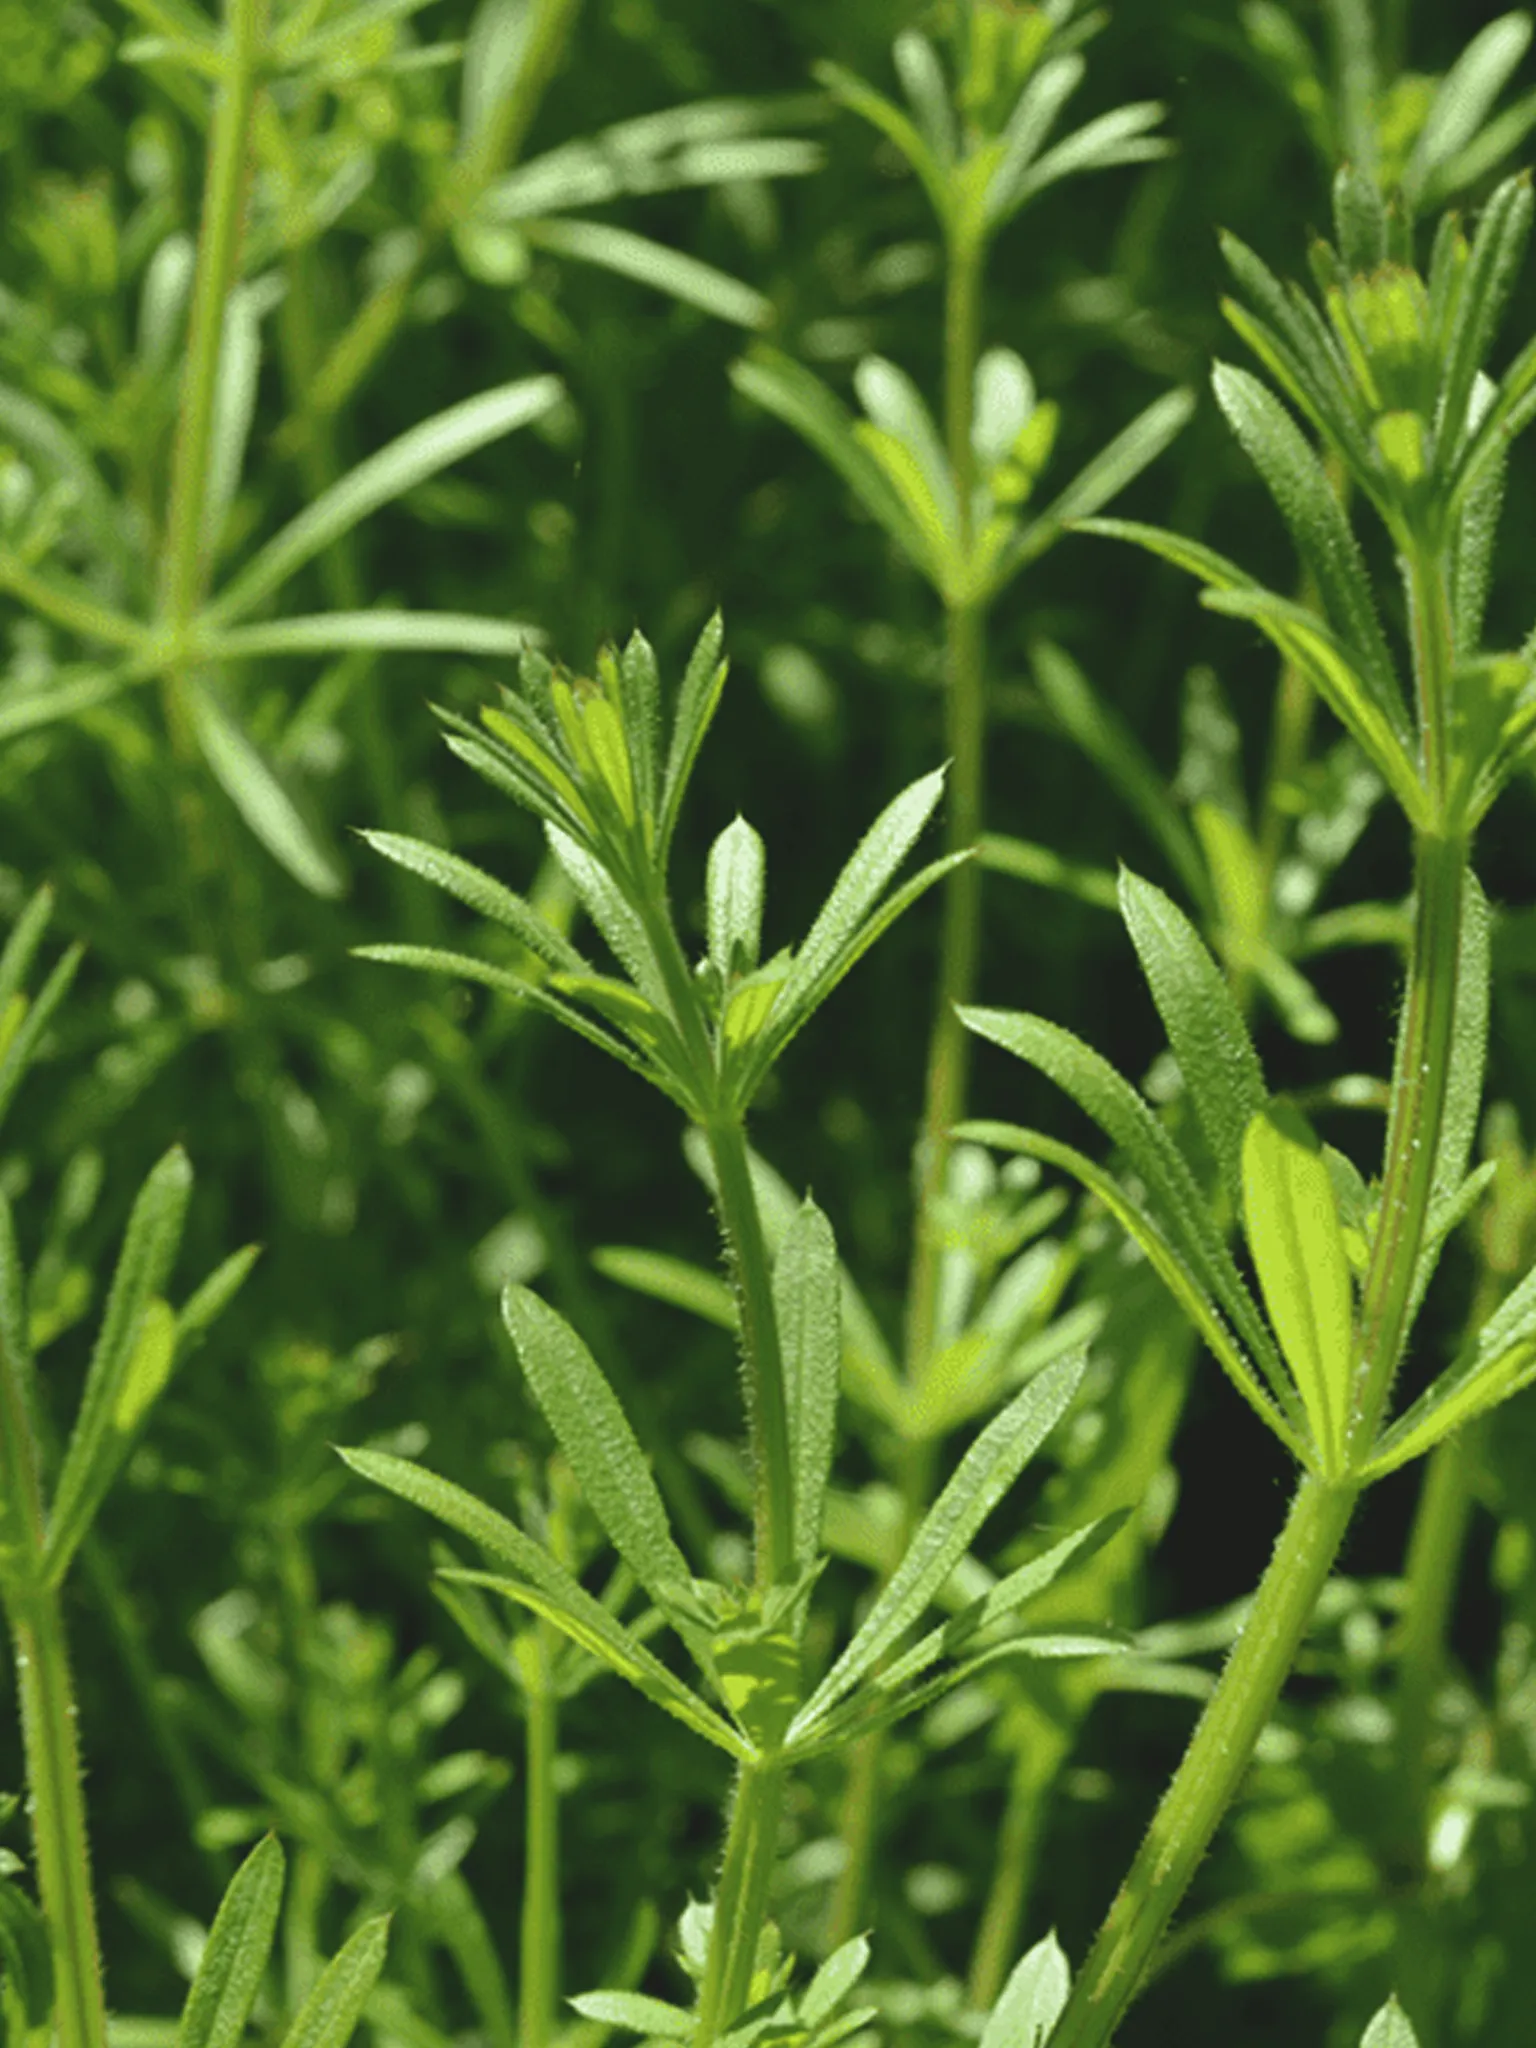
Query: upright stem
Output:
(752,1280)
(539,1979)
(54,1792)
(1219,1752)
(965,732)
(1212,1768)
(188,548)
(741,1898)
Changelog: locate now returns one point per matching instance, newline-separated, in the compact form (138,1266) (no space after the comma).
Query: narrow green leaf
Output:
(63,699)
(1319,526)
(544,1586)
(1031,2001)
(23,945)
(636,2013)
(593,1431)
(1033,117)
(485,896)
(252,786)
(383,631)
(1492,267)
(802,401)
(1118,137)
(733,895)
(1469,1043)
(1466,95)
(1291,1217)
(1473,541)
(697,702)
(927,90)
(851,91)
(654,265)
(896,406)
(1205,1027)
(235,1958)
(101,1434)
(334,2006)
(1391,2027)
(1296,346)
(1511,411)
(685,1286)
(27,1955)
(610,911)
(421,452)
(833,1981)
(1027,862)
(640,690)
(234,404)
(1173,1196)
(1112,470)
(203,1307)
(31,427)
(986,1472)
(1277,1408)
(806,1305)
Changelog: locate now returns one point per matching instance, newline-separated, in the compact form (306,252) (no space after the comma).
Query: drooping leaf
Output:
(1291,1217)
(594,1433)
(235,1958)
(1031,2001)
(253,787)
(1205,1027)
(986,1472)
(102,1431)
(330,2013)
(805,1305)
(544,1586)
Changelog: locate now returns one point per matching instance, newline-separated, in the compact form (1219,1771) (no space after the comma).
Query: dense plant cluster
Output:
(751,1539)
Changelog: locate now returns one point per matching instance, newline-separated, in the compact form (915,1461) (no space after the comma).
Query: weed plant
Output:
(418,1631)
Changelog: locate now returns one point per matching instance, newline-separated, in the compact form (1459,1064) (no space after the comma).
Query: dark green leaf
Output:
(806,1302)
(235,1958)
(484,895)
(334,2006)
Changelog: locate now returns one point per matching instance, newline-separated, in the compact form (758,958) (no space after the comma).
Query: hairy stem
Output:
(741,1898)
(1212,1768)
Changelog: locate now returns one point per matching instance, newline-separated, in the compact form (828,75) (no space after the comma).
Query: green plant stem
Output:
(1213,1765)
(965,733)
(741,1898)
(539,1977)
(752,1283)
(188,547)
(46,1697)
(1218,1754)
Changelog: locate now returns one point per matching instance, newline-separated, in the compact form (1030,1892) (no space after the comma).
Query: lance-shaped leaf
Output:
(1318,523)
(927,89)
(802,401)
(1173,1195)
(1493,263)
(1291,1217)
(22,1024)
(421,452)
(697,702)
(694,1289)
(640,695)
(986,1472)
(805,1306)
(594,1433)
(485,896)
(1205,1027)
(1033,117)
(230,1971)
(733,896)
(1121,136)
(252,786)
(1469,1043)
(1097,483)
(1032,2000)
(1277,1408)
(545,1587)
(896,410)
(384,631)
(654,265)
(1500,1361)
(1465,97)
(636,2013)
(1391,2027)
(131,1357)
(610,911)
(1299,635)
(851,91)
(330,2013)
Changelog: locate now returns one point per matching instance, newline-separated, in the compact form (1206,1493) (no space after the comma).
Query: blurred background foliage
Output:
(254,1641)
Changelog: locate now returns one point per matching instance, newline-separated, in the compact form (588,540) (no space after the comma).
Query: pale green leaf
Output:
(697,702)
(676,1281)
(895,405)
(806,1304)
(1291,1218)
(1390,2028)
(1205,1027)
(1121,136)
(335,2004)
(1034,115)
(1493,264)
(733,897)
(230,1971)
(1031,2001)
(593,1431)
(986,1472)
(652,264)
(862,99)
(927,90)
(100,1439)
(1466,95)
(381,631)
(636,2013)
(252,786)
(834,1980)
